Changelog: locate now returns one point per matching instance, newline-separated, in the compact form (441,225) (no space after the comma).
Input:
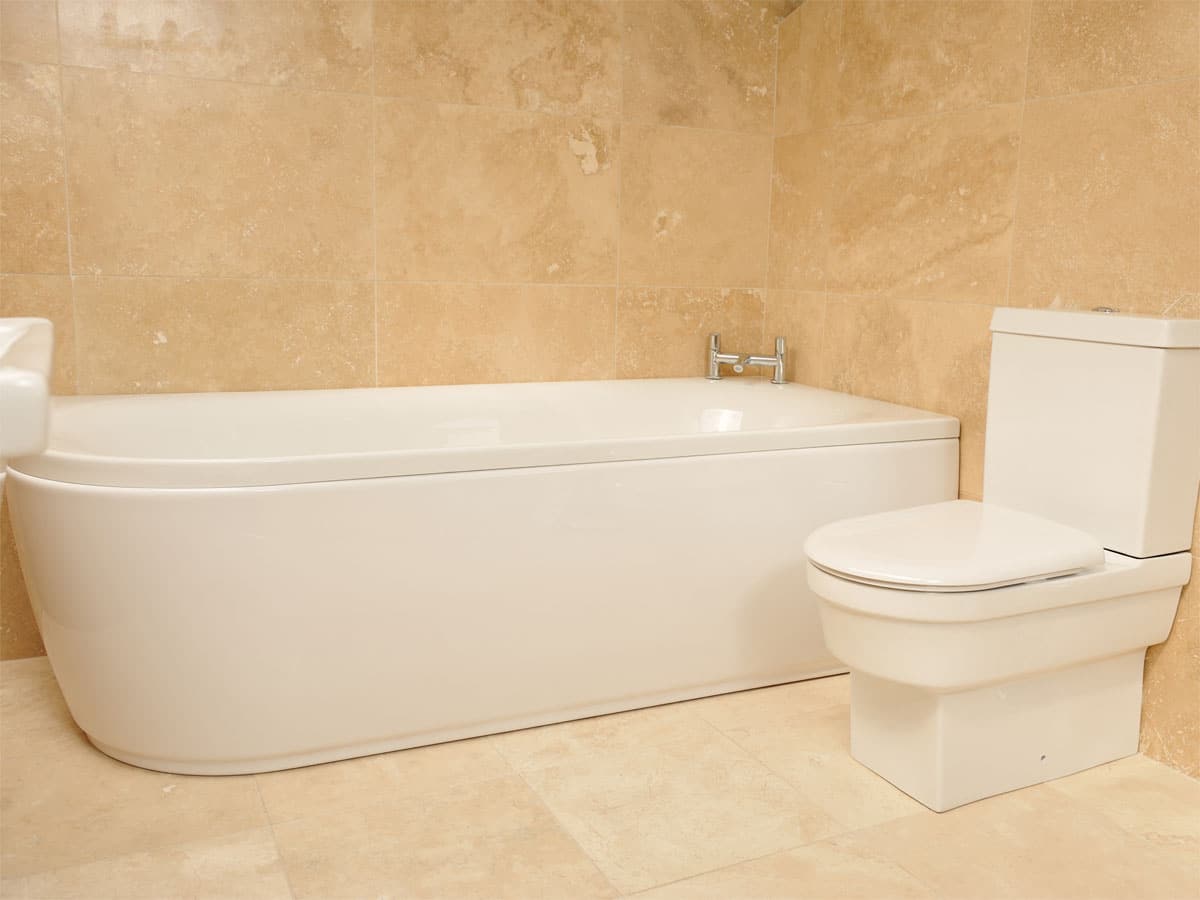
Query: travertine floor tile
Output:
(1145,798)
(819,870)
(320,790)
(64,803)
(491,839)
(244,865)
(748,795)
(539,748)
(655,814)
(1030,843)
(809,745)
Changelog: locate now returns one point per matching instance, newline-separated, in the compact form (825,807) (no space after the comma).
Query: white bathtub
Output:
(234,583)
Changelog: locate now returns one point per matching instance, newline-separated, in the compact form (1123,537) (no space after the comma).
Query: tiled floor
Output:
(746,795)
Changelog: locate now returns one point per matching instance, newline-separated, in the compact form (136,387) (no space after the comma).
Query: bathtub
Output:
(234,583)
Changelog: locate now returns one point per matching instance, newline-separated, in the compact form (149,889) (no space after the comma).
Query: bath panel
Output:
(244,629)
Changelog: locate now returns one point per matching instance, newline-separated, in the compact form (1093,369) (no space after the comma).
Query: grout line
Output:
(207,79)
(942,113)
(373,94)
(1012,230)
(821,346)
(274,837)
(1104,90)
(721,733)
(616,315)
(766,301)
(368,280)
(66,171)
(374,204)
(561,827)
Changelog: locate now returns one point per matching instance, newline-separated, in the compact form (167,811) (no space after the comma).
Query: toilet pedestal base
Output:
(947,749)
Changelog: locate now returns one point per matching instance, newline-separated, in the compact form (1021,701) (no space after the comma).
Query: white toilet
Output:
(1000,644)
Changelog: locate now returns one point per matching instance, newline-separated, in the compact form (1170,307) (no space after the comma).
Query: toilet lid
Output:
(960,545)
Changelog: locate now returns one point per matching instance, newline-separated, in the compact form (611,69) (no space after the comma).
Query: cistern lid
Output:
(959,545)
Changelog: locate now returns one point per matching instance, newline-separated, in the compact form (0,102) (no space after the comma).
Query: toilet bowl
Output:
(994,645)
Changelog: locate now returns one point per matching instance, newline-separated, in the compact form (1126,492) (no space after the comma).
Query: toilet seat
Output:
(956,546)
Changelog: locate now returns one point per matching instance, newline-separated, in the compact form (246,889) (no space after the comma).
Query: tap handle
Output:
(780,346)
(714,342)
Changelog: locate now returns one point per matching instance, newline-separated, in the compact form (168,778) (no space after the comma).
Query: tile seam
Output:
(375,95)
(616,294)
(374,207)
(720,732)
(405,281)
(940,113)
(766,300)
(1012,233)
(562,828)
(287,878)
(66,173)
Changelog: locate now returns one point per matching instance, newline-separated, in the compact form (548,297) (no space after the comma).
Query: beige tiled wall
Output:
(934,160)
(271,194)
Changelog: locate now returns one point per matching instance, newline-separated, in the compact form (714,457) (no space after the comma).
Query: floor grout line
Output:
(562,827)
(287,878)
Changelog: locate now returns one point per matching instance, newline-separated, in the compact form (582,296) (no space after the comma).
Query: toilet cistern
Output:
(995,645)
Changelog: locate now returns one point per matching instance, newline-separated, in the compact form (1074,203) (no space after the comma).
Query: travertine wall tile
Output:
(663,332)
(1171,710)
(469,194)
(28,31)
(182,177)
(910,57)
(19,636)
(322,44)
(48,297)
(694,207)
(801,200)
(700,63)
(33,227)
(1086,45)
(923,207)
(150,335)
(561,56)
(807,89)
(927,354)
(476,333)
(798,316)
(1110,201)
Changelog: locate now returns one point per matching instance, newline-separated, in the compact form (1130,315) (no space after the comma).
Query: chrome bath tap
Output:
(716,358)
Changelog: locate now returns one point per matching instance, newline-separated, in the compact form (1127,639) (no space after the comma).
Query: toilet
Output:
(997,645)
